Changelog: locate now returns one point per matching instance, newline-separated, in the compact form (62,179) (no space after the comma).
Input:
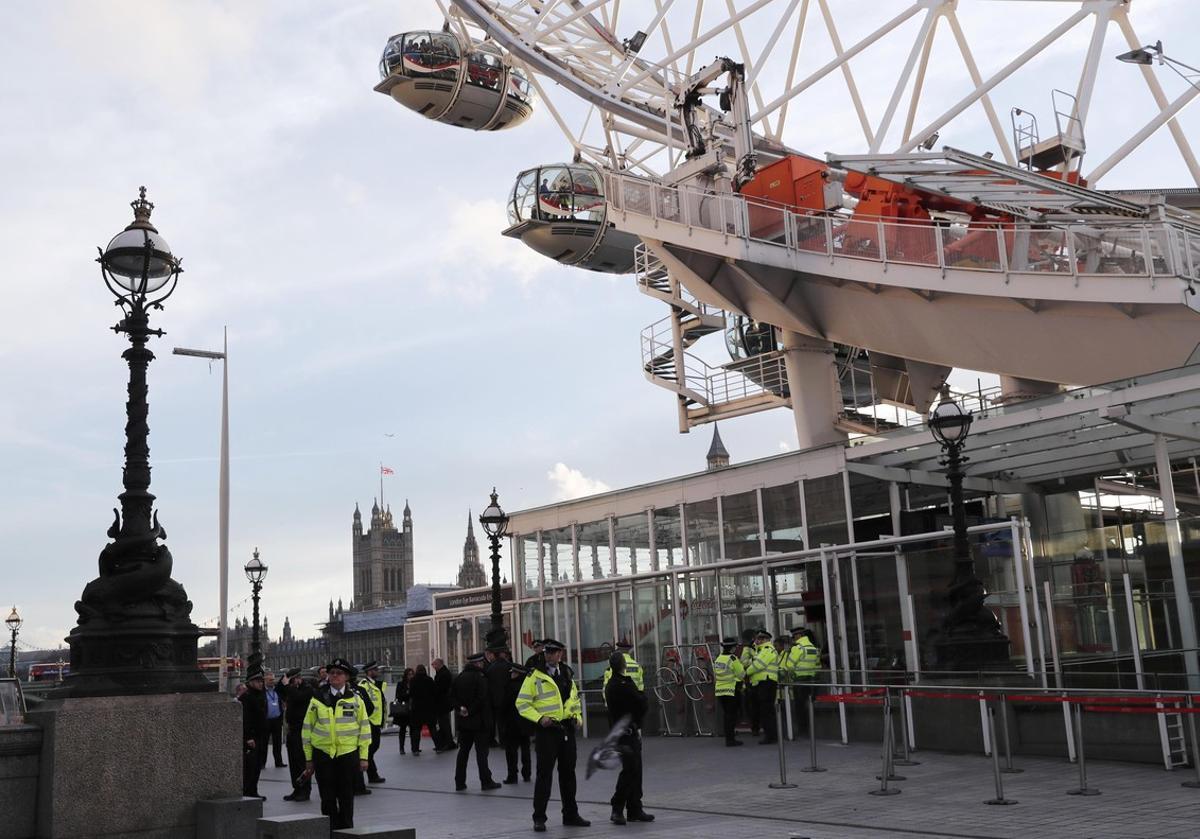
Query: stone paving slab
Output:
(698,788)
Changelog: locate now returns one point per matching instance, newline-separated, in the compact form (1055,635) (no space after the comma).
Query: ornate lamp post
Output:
(970,634)
(13,622)
(135,634)
(256,570)
(495,525)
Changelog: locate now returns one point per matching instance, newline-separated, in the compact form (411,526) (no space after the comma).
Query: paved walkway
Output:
(698,788)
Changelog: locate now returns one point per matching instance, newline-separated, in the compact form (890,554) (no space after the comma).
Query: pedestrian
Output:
(297,693)
(355,685)
(254,731)
(550,699)
(336,738)
(727,678)
(376,688)
(516,728)
(625,700)
(424,706)
(401,711)
(535,659)
(496,670)
(274,738)
(473,713)
(443,740)
(764,681)
(632,669)
(801,664)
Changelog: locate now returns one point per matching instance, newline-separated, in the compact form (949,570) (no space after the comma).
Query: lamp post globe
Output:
(134,633)
(495,524)
(256,571)
(13,622)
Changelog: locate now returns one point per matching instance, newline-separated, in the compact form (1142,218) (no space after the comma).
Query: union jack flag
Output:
(386,470)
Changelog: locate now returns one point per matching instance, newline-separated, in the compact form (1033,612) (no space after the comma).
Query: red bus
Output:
(49,671)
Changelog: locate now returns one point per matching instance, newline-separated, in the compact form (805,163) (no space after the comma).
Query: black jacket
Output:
(403,701)
(254,715)
(624,699)
(296,696)
(442,683)
(472,705)
(497,679)
(424,698)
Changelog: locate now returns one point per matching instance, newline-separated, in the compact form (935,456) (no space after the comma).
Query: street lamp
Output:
(13,622)
(222,505)
(134,634)
(970,634)
(1151,53)
(256,570)
(495,525)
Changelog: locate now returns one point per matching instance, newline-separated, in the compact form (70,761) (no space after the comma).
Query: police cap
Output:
(343,665)
(550,645)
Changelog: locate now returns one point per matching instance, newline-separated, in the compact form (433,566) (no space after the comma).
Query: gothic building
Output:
(383,559)
(471,573)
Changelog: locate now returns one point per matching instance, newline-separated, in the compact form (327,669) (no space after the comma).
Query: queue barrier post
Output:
(1084,789)
(991,718)
(1008,769)
(1191,724)
(905,757)
(780,740)
(886,774)
(812,738)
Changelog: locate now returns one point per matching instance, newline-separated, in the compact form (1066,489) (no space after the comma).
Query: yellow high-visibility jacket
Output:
(764,665)
(336,726)
(539,697)
(802,660)
(376,693)
(727,672)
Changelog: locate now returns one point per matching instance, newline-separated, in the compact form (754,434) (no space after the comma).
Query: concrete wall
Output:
(20,757)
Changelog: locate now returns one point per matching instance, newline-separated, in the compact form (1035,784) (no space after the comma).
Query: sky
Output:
(374,313)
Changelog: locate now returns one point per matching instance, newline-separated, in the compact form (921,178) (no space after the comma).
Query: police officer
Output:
(535,659)
(254,730)
(632,669)
(549,699)
(764,681)
(355,685)
(516,728)
(748,698)
(297,693)
(728,673)
(375,689)
(473,713)
(624,699)
(336,739)
(800,664)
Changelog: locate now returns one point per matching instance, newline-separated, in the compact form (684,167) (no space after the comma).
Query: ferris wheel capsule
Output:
(466,84)
(559,210)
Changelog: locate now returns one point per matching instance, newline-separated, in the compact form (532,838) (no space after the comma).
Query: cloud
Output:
(784,446)
(571,483)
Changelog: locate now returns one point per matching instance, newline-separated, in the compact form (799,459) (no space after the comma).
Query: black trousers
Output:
(628,794)
(274,741)
(440,731)
(554,745)
(415,724)
(800,695)
(335,782)
(516,743)
(376,734)
(477,740)
(764,692)
(750,697)
(729,715)
(250,769)
(295,755)
(403,723)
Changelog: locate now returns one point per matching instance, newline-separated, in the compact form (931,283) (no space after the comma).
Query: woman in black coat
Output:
(422,696)
(401,711)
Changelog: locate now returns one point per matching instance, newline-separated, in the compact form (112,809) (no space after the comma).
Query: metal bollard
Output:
(905,757)
(1191,723)
(783,781)
(1084,789)
(886,774)
(999,799)
(1008,767)
(812,738)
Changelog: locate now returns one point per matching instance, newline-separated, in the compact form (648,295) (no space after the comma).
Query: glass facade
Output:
(631,543)
(703,532)
(668,539)
(595,555)
(783,519)
(740,525)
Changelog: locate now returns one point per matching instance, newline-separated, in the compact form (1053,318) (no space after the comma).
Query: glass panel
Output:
(527,550)
(652,615)
(739,514)
(560,565)
(784,524)
(521,206)
(393,56)
(589,195)
(703,537)
(624,628)
(431,54)
(596,626)
(485,69)
(697,598)
(743,604)
(881,628)
(554,193)
(668,541)
(825,502)
(800,600)
(595,556)
(531,627)
(632,546)
(518,85)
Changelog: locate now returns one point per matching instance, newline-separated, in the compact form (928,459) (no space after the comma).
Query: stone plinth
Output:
(228,818)
(120,767)
(380,832)
(294,827)
(20,749)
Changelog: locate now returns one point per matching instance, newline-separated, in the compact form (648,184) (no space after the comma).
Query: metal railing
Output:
(1141,249)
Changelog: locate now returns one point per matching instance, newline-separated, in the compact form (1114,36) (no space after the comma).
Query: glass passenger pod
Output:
(470,86)
(746,338)
(559,211)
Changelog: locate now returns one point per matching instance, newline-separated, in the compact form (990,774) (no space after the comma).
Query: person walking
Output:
(625,700)
(516,728)
(297,693)
(443,740)
(355,685)
(336,739)
(764,681)
(254,731)
(549,699)
(727,676)
(401,711)
(473,712)
(424,705)
(376,689)
(800,666)
(274,738)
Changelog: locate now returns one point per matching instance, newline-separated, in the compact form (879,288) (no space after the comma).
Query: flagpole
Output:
(381,505)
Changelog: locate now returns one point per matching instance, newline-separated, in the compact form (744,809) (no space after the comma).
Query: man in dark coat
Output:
(424,705)
(439,726)
(516,728)
(254,731)
(297,693)
(625,700)
(473,711)
(496,670)
(356,685)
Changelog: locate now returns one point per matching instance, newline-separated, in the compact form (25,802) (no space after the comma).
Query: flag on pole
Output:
(386,470)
